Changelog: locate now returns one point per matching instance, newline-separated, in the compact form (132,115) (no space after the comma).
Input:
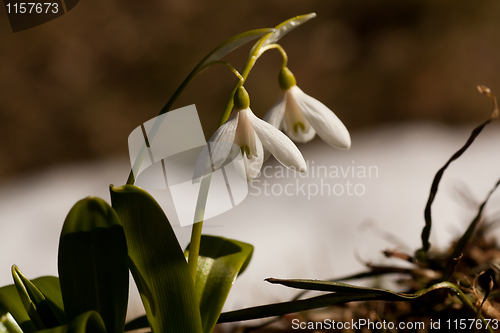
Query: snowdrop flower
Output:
(300,116)
(251,134)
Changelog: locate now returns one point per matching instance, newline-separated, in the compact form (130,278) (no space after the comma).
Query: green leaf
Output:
(234,43)
(282,29)
(87,322)
(344,293)
(93,263)
(278,309)
(51,289)
(11,302)
(219,263)
(374,272)
(157,262)
(43,312)
(338,287)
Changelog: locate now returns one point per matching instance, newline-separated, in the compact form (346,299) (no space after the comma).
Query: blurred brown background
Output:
(74,88)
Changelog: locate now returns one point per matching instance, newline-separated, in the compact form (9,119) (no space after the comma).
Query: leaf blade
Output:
(333,286)
(220,261)
(11,302)
(233,43)
(43,312)
(362,294)
(93,263)
(278,309)
(282,29)
(51,289)
(157,262)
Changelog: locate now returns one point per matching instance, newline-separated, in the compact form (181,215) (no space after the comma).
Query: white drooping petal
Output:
(253,165)
(267,154)
(217,148)
(295,125)
(275,117)
(283,149)
(322,119)
(300,136)
(245,136)
(276,113)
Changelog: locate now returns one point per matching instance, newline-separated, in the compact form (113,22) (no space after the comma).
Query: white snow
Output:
(294,236)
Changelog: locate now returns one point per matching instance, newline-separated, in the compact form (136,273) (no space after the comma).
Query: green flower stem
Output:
(194,245)
(259,48)
(279,48)
(252,58)
(255,53)
(228,65)
(194,249)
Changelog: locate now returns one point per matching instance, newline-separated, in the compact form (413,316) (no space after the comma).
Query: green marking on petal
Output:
(245,149)
(297,125)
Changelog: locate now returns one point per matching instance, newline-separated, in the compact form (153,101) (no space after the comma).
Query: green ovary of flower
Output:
(286,79)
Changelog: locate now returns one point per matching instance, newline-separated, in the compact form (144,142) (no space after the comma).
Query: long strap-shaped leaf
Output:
(93,263)
(51,289)
(157,262)
(43,312)
(375,271)
(278,309)
(340,287)
(281,30)
(219,263)
(221,260)
(344,293)
(11,302)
